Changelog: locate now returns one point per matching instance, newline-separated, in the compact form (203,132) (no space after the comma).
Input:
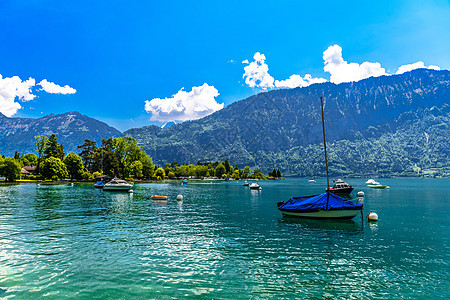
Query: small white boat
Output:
(246,183)
(255,186)
(311,181)
(118,185)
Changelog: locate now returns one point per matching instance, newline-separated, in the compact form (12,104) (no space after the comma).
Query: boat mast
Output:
(324,144)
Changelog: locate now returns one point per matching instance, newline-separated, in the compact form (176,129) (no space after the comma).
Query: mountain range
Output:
(388,125)
(17,134)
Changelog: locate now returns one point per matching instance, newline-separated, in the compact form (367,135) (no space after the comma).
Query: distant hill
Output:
(17,134)
(388,125)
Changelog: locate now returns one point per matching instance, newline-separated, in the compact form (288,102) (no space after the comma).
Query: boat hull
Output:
(324,214)
(117,188)
(342,191)
(376,186)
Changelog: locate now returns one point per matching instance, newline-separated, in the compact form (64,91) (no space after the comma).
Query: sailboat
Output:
(321,206)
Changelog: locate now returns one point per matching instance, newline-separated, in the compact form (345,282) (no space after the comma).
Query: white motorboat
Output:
(118,185)
(255,186)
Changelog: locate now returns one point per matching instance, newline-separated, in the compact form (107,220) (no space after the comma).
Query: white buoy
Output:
(388,187)
(360,194)
(71,184)
(180,198)
(38,185)
(130,191)
(372,217)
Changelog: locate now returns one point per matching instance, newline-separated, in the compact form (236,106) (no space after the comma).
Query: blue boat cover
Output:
(99,183)
(326,201)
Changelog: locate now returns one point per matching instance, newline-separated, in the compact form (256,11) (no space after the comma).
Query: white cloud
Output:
(53,88)
(257,72)
(257,75)
(13,87)
(182,106)
(342,71)
(417,65)
(297,81)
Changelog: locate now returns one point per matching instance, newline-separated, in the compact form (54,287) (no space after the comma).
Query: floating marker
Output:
(130,191)
(372,217)
(180,198)
(360,194)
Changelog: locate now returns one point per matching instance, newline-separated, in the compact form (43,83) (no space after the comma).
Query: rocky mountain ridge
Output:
(263,130)
(17,134)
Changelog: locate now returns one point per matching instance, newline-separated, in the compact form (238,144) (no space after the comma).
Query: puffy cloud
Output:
(417,65)
(256,74)
(13,87)
(182,106)
(342,71)
(53,88)
(297,81)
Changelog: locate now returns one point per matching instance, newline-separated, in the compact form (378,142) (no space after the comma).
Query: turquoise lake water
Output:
(224,241)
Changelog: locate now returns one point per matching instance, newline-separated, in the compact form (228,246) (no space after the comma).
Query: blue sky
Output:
(119,54)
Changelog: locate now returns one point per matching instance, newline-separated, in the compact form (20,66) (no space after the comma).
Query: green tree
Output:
(74,165)
(30,158)
(246,172)
(227,166)
(159,173)
(54,169)
(41,145)
(220,170)
(135,169)
(53,149)
(278,173)
(10,168)
(147,166)
(88,151)
(111,164)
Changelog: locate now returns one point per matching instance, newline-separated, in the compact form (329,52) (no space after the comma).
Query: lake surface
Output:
(224,241)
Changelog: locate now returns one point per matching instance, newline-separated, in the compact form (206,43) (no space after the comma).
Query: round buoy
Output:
(71,184)
(388,187)
(372,217)
(38,185)
(130,191)
(360,194)
(179,197)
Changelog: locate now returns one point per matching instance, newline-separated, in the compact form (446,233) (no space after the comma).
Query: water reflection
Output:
(349,226)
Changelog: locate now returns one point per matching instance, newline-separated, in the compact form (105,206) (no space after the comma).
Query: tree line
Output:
(120,157)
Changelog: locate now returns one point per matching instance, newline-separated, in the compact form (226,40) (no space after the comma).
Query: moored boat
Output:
(99,185)
(321,206)
(255,186)
(246,183)
(159,197)
(118,185)
(341,187)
